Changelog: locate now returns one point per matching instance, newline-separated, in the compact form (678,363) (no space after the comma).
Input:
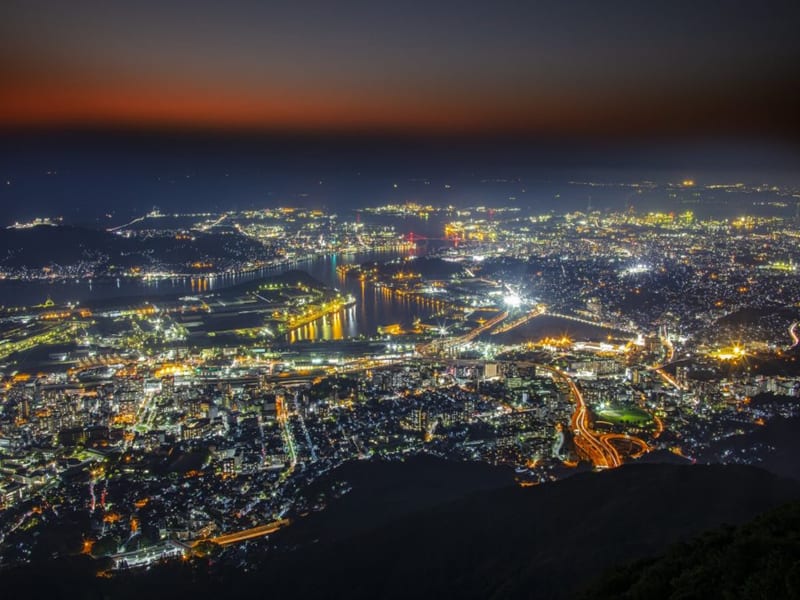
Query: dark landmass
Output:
(786,365)
(660,457)
(428,267)
(775,447)
(382,492)
(72,246)
(543,542)
(751,315)
(535,542)
(760,559)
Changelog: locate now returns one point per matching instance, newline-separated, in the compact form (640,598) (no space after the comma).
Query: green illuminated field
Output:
(625,415)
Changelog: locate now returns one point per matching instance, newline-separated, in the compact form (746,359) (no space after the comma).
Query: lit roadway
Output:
(248,534)
(448,343)
(628,440)
(670,354)
(532,314)
(299,415)
(282,415)
(128,224)
(213,224)
(597,449)
(793,334)
(593,323)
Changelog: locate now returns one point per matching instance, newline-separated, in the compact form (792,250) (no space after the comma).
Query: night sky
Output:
(574,68)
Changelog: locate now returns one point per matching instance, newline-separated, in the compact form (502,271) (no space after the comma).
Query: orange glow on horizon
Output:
(96,102)
(48,104)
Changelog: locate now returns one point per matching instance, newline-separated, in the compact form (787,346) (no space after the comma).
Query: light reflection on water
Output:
(374,307)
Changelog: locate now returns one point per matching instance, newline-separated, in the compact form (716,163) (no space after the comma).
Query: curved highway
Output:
(629,440)
(601,452)
(668,358)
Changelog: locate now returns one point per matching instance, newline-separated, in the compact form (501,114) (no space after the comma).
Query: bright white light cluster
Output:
(512,300)
(635,269)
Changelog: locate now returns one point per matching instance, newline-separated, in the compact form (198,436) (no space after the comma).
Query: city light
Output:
(512,300)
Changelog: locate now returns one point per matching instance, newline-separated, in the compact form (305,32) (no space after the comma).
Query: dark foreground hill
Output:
(760,559)
(543,542)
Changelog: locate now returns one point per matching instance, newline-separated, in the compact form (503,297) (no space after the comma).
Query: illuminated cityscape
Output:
(543,343)
(387,301)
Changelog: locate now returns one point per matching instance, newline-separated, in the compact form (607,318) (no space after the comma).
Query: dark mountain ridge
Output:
(549,541)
